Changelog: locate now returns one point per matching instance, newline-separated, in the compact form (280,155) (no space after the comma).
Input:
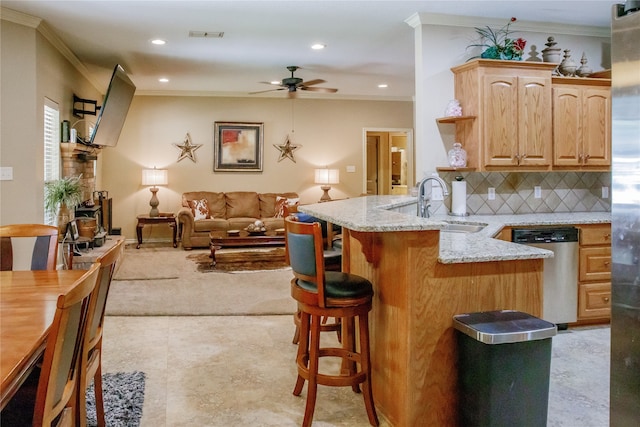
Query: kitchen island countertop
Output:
(397,213)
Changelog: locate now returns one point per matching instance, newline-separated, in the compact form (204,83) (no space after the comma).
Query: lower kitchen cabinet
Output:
(594,285)
(594,301)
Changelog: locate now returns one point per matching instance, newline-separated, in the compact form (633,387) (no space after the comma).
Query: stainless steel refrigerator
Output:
(625,298)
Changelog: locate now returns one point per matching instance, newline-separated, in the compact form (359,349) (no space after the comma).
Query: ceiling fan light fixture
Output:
(293,84)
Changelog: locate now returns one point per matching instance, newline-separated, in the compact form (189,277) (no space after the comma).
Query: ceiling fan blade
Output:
(313,82)
(319,89)
(268,90)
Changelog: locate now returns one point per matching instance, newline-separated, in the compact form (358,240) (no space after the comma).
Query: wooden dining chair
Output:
(48,396)
(322,294)
(91,356)
(45,248)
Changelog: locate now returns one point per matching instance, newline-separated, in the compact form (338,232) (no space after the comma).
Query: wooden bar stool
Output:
(332,262)
(322,294)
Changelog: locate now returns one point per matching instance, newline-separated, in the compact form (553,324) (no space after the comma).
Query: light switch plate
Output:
(537,192)
(491,193)
(6,173)
(351,168)
(605,192)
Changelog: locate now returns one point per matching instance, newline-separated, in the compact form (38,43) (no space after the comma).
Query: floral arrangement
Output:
(499,45)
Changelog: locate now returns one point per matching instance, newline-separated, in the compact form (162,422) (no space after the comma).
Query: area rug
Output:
(123,394)
(241,260)
(134,260)
(162,281)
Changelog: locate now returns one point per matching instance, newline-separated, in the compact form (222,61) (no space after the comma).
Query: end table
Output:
(162,218)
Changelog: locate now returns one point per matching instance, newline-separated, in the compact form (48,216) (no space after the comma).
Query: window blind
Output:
(51,149)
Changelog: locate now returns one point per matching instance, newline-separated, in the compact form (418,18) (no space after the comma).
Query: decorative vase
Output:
(551,53)
(567,66)
(584,70)
(505,55)
(457,156)
(453,109)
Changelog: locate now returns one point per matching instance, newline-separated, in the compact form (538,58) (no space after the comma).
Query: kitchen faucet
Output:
(423,201)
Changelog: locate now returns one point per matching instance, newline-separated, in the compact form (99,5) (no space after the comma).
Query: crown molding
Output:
(49,34)
(332,97)
(19,18)
(418,19)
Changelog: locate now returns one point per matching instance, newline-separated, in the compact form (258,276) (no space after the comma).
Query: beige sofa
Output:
(205,211)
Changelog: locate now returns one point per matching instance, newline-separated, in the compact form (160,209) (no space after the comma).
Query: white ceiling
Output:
(368,42)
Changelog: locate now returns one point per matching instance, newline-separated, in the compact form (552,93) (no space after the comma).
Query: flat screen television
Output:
(113,112)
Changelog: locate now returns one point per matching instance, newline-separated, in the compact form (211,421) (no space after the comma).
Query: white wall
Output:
(32,69)
(328,131)
(21,197)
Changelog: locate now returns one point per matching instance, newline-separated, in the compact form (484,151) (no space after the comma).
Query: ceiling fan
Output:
(293,84)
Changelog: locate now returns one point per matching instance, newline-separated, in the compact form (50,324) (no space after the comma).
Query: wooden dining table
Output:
(27,307)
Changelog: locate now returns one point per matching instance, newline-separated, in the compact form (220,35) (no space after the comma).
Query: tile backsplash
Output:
(514,192)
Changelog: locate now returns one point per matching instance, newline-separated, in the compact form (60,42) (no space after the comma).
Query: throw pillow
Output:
(281,202)
(200,209)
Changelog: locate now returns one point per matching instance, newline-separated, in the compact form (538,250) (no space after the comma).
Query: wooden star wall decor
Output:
(287,149)
(188,149)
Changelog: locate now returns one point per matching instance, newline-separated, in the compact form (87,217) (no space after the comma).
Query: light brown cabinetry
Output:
(512,103)
(581,123)
(505,234)
(594,279)
(518,117)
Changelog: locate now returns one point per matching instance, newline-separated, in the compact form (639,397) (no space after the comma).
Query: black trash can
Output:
(504,361)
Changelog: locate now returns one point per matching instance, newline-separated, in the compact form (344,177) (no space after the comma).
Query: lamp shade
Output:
(155,177)
(327,176)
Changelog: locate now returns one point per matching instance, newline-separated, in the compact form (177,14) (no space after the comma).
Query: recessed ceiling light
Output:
(158,41)
(318,46)
(383,85)
(163,80)
(275,82)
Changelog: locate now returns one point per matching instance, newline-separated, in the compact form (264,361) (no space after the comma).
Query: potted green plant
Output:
(499,44)
(62,196)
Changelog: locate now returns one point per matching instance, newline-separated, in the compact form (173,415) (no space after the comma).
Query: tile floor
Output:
(240,371)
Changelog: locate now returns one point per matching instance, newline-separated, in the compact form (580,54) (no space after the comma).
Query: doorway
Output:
(388,161)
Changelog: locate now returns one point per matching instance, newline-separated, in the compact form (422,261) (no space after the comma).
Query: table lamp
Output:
(327,177)
(154,177)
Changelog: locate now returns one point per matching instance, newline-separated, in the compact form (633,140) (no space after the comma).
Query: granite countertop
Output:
(395,213)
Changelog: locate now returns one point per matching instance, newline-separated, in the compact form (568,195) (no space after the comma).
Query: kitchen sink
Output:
(456,227)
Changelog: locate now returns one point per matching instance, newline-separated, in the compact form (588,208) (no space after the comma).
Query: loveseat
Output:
(205,211)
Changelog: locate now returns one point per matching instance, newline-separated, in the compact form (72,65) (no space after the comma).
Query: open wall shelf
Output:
(454,119)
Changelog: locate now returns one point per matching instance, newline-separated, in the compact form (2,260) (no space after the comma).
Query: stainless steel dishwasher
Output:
(560,293)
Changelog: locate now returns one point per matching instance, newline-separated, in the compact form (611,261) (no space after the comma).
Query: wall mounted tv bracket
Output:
(80,112)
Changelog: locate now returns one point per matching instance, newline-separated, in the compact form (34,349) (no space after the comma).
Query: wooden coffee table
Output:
(220,239)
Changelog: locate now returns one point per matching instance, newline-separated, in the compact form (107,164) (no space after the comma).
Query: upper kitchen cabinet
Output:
(512,102)
(581,123)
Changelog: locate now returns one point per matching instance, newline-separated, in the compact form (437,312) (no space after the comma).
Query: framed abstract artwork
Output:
(237,147)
